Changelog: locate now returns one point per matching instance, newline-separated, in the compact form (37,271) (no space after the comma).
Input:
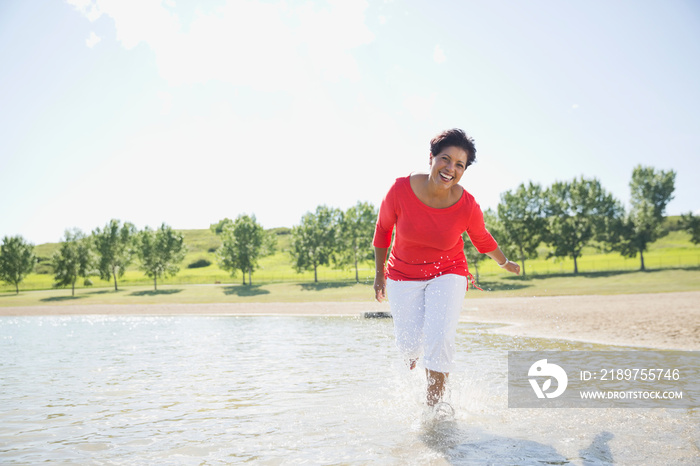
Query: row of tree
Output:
(107,252)
(331,236)
(567,216)
(328,236)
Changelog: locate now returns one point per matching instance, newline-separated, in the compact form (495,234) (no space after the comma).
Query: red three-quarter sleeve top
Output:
(428,241)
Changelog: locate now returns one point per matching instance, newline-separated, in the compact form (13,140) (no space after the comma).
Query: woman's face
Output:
(447,167)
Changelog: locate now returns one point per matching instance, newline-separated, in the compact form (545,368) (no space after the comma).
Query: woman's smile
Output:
(445,177)
(448,166)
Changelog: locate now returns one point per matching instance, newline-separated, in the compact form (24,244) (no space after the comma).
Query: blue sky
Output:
(186,112)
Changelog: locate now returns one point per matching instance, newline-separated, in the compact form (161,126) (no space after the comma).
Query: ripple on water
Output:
(219,390)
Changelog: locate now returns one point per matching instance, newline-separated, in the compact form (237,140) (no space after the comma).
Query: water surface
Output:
(290,390)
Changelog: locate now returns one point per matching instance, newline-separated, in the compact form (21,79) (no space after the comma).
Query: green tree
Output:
(160,251)
(314,240)
(73,259)
(356,230)
(522,214)
(115,246)
(691,224)
(651,192)
(474,257)
(244,243)
(219,227)
(578,212)
(17,260)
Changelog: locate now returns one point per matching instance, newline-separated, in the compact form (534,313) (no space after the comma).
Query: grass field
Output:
(673,264)
(602,283)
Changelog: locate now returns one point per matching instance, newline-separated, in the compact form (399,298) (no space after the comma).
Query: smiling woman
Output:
(426,274)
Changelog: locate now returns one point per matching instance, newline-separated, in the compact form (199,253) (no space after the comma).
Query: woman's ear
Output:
(430,163)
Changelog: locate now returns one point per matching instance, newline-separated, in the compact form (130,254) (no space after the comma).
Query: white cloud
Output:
(291,47)
(87,8)
(439,55)
(93,40)
(269,46)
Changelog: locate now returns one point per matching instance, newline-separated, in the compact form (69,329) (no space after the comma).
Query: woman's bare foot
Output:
(436,386)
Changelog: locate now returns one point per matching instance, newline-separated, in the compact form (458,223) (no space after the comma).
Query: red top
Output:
(428,240)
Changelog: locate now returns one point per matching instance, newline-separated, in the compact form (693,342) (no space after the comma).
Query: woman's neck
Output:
(433,195)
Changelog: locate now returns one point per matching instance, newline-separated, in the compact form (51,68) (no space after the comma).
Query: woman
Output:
(426,274)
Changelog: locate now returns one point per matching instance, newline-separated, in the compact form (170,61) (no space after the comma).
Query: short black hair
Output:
(454,137)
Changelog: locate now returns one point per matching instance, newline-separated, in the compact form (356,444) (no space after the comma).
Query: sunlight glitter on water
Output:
(290,390)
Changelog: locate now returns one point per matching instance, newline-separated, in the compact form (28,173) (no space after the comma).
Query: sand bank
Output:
(661,320)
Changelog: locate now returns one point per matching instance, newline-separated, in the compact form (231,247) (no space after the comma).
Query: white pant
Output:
(426,314)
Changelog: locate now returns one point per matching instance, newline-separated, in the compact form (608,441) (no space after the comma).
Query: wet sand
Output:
(660,320)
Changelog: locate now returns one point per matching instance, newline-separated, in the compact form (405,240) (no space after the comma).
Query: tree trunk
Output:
(641,256)
(17,287)
(155,283)
(250,277)
(114,273)
(357,274)
(575,266)
(522,260)
(243,273)
(315,273)
(73,289)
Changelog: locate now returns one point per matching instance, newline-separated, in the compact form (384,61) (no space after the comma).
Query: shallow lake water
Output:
(290,390)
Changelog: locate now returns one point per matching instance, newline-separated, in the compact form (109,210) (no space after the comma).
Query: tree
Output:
(474,257)
(17,260)
(73,259)
(218,227)
(691,224)
(522,214)
(356,231)
(578,212)
(651,192)
(115,246)
(161,251)
(244,242)
(314,240)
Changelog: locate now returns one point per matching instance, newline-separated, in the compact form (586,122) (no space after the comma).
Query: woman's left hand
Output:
(512,267)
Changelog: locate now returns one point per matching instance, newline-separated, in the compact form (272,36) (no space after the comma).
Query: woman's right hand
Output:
(379,288)
(379,277)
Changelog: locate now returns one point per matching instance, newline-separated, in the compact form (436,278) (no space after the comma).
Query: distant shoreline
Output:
(662,320)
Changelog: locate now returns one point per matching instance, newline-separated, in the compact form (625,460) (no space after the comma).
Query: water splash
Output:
(221,390)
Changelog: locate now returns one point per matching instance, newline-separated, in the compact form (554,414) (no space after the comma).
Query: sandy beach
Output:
(661,320)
